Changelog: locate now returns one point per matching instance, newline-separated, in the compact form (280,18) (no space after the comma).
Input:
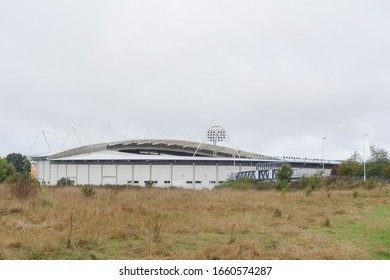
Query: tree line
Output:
(14,164)
(377,165)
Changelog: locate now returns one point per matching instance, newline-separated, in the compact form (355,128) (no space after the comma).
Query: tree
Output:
(349,168)
(6,169)
(378,154)
(377,164)
(21,162)
(284,173)
(65,182)
(356,157)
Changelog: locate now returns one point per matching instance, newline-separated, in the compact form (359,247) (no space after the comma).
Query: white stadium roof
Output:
(157,149)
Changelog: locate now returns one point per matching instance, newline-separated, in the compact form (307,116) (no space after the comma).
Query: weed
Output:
(156,223)
(277,213)
(326,223)
(37,256)
(15,245)
(355,194)
(309,190)
(23,186)
(281,185)
(69,243)
(232,233)
(370,184)
(88,191)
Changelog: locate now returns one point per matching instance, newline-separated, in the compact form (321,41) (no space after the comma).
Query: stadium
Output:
(164,163)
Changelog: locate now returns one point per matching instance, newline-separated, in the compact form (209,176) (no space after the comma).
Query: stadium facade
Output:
(162,163)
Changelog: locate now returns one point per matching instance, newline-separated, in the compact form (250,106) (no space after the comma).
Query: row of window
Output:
(168,182)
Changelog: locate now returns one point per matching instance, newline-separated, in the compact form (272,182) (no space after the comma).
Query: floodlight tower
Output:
(216,134)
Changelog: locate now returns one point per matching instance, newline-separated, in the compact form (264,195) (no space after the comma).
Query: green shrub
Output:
(65,182)
(284,173)
(309,190)
(355,194)
(370,184)
(281,185)
(7,170)
(88,191)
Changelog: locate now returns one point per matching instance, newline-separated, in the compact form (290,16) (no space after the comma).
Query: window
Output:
(150,182)
(220,182)
(188,182)
(131,182)
(198,182)
(212,182)
(167,182)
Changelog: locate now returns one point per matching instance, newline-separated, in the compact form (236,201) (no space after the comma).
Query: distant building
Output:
(162,163)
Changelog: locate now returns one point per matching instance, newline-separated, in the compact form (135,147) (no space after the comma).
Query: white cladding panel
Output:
(40,171)
(61,171)
(109,181)
(183,176)
(95,175)
(109,174)
(205,176)
(72,173)
(141,174)
(46,173)
(161,174)
(224,172)
(82,174)
(43,171)
(53,174)
(109,170)
(124,174)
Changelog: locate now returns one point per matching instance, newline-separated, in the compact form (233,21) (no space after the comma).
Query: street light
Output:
(323,153)
(364,156)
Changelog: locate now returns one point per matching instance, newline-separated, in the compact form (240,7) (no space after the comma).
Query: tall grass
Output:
(154,223)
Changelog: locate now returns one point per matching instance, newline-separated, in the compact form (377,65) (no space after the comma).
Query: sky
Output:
(279,76)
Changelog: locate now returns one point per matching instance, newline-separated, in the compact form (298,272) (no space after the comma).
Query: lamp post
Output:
(364,156)
(323,153)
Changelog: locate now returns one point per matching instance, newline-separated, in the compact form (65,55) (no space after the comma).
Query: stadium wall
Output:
(187,175)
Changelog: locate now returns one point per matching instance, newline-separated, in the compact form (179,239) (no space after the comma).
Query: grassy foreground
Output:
(152,223)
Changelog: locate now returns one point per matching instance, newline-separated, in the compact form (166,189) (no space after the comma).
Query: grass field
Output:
(153,223)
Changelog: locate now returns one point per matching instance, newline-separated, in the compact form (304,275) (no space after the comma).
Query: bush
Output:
(284,173)
(370,184)
(149,184)
(281,185)
(88,191)
(309,190)
(355,194)
(65,182)
(23,185)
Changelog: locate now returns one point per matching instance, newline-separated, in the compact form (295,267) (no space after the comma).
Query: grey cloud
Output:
(279,75)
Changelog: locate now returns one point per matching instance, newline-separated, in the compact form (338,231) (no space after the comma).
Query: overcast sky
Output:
(277,75)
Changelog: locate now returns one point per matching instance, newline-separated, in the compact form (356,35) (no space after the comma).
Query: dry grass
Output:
(152,223)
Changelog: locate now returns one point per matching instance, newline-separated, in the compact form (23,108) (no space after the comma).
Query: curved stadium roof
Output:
(161,147)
